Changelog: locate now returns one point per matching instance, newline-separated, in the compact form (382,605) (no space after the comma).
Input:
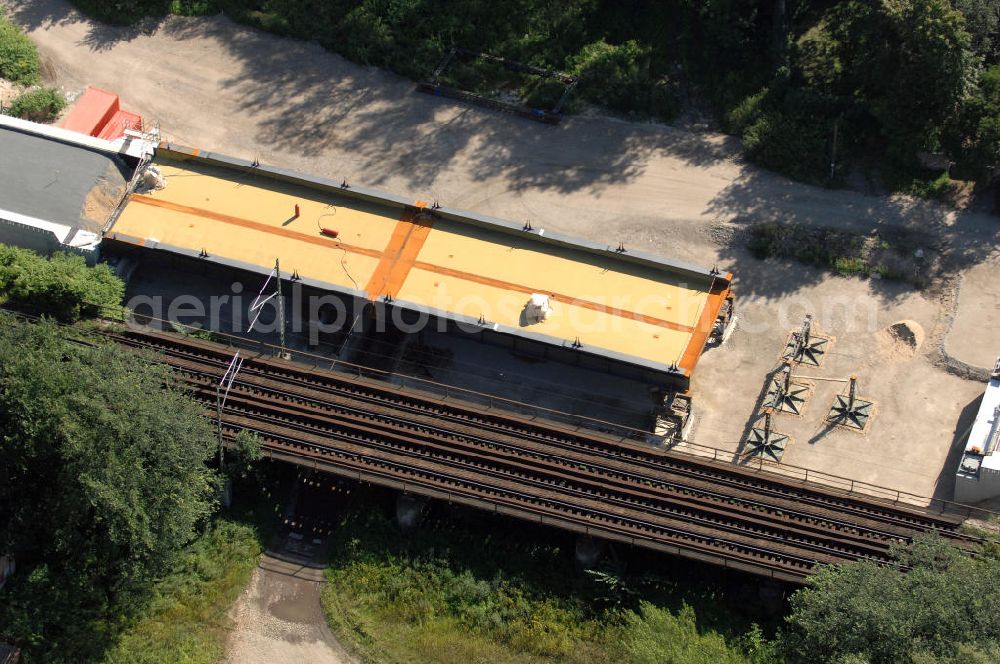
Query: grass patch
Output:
(920,182)
(186,620)
(941,188)
(886,254)
(478,593)
(38,105)
(197,333)
(19,61)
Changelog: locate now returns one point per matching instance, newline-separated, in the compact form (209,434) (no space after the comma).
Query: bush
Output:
(787,130)
(186,620)
(620,78)
(19,60)
(864,612)
(41,105)
(499,598)
(746,112)
(62,286)
(655,635)
(124,12)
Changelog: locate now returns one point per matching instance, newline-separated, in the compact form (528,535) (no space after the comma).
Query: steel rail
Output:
(904,517)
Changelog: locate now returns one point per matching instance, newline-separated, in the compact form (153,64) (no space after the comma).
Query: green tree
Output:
(103,481)
(982,22)
(19,60)
(862,612)
(973,137)
(244,461)
(907,63)
(61,286)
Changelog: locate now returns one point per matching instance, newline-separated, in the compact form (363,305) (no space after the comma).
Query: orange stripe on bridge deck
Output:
(400,254)
(565,299)
(254,225)
(400,257)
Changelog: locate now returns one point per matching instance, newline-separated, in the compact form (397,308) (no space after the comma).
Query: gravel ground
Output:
(279,619)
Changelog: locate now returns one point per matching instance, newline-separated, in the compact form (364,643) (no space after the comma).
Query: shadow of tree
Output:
(39,14)
(32,14)
(313,98)
(308,99)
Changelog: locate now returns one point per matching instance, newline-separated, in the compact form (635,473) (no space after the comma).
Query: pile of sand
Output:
(9,92)
(901,340)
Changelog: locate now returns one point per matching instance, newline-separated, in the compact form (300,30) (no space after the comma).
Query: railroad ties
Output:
(582,481)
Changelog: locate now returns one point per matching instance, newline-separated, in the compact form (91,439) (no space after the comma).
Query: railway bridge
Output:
(605,486)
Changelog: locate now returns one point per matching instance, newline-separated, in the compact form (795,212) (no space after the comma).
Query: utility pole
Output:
(218,409)
(226,382)
(833,151)
(281,304)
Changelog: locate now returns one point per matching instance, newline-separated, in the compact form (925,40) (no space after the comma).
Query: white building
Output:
(978,475)
(59,188)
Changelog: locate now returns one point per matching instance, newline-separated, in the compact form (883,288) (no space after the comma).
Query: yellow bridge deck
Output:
(414,256)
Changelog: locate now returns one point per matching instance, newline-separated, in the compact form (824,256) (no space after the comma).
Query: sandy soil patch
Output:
(901,340)
(278,618)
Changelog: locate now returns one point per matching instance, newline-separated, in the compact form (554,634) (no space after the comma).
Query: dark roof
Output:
(54,181)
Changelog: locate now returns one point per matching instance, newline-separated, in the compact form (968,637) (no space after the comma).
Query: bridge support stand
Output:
(765,442)
(805,347)
(784,396)
(850,411)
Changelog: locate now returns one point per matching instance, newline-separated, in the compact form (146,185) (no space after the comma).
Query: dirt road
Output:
(279,619)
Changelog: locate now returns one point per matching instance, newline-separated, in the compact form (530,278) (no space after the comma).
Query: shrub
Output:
(659,635)
(19,60)
(40,105)
(62,287)
(934,188)
(186,619)
(788,131)
(746,112)
(940,611)
(619,77)
(124,12)
(848,265)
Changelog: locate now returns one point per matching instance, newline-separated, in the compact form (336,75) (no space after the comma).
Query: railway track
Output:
(581,480)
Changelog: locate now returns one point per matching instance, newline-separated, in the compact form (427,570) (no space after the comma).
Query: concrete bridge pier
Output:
(409,510)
